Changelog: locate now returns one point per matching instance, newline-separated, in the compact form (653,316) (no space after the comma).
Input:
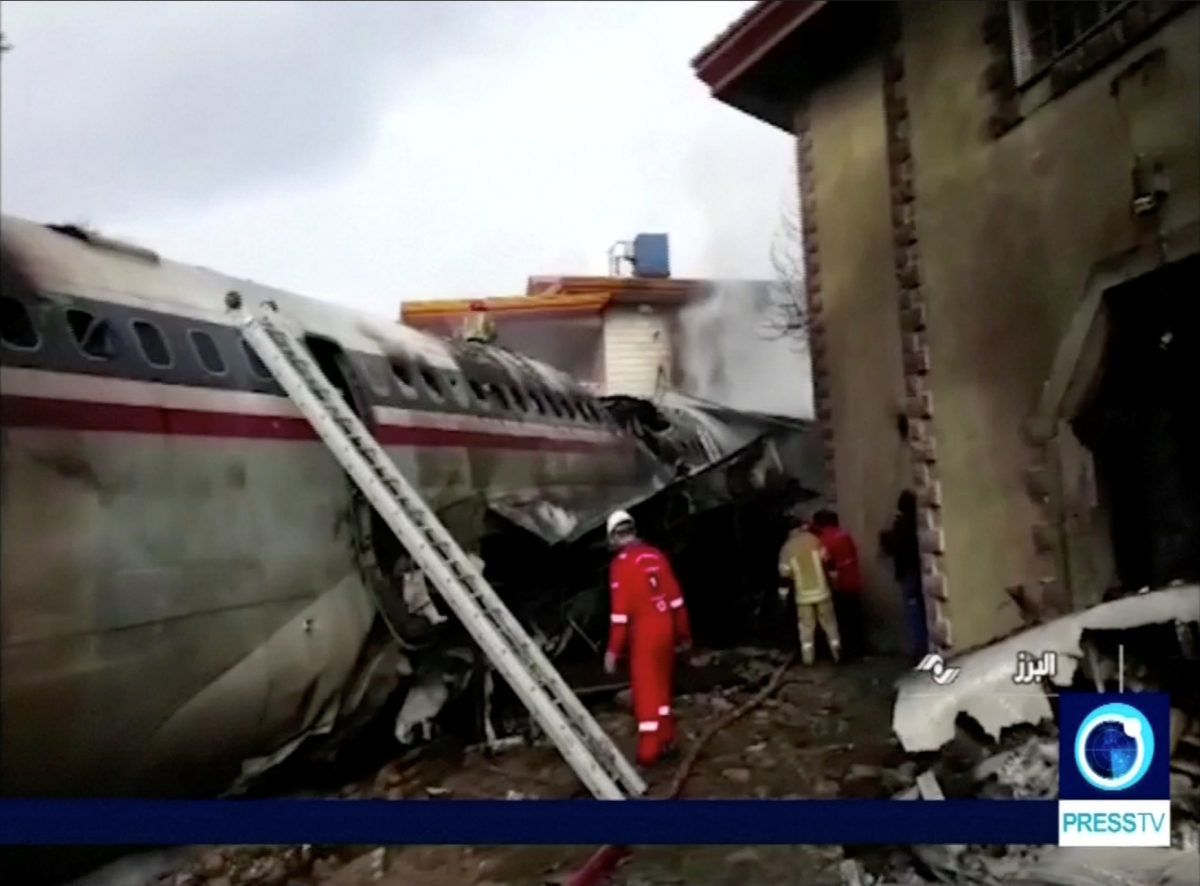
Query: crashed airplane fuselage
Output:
(189,581)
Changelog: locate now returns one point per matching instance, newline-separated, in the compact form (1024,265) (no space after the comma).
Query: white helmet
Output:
(618,519)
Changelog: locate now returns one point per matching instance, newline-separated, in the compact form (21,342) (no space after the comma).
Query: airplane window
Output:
(501,395)
(377,378)
(518,399)
(16,326)
(538,401)
(208,352)
(404,377)
(555,405)
(257,366)
(431,383)
(152,344)
(94,335)
(457,391)
(481,392)
(570,406)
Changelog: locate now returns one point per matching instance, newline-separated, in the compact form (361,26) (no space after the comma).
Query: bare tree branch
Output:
(787,315)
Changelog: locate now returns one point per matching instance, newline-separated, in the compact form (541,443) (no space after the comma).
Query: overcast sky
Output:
(372,152)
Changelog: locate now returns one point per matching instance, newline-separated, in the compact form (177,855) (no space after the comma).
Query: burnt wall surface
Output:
(947,257)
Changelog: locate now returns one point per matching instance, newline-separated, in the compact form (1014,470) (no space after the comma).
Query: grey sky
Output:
(370,152)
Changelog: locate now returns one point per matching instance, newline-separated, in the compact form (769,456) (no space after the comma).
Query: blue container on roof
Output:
(651,256)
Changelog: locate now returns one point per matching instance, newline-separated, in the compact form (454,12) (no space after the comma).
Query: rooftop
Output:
(563,295)
(767,57)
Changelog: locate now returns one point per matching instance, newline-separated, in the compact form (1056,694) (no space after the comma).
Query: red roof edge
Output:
(749,38)
(739,24)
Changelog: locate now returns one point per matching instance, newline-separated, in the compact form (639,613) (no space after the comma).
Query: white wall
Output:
(637,348)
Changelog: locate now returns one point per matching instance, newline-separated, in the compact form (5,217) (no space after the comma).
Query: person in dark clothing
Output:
(901,544)
(845,578)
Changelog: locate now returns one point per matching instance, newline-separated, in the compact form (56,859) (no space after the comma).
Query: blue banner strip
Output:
(526,822)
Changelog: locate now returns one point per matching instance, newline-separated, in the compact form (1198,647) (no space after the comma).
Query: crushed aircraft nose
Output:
(985,689)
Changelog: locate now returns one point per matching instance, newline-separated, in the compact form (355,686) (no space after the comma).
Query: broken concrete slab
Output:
(925,713)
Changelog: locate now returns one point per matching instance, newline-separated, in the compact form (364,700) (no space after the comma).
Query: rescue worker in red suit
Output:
(846,577)
(648,611)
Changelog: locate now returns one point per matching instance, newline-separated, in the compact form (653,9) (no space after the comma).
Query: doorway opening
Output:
(1142,426)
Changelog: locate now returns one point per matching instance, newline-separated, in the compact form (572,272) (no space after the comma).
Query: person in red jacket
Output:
(846,578)
(647,611)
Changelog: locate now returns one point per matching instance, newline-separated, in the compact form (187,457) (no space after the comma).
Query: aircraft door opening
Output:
(382,561)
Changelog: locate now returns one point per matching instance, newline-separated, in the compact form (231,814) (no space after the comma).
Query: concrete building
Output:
(1000,217)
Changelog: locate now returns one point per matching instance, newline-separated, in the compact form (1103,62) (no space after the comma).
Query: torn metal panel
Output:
(925,713)
(710,453)
(546,519)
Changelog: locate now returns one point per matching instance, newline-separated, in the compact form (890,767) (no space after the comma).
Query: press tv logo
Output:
(1113,769)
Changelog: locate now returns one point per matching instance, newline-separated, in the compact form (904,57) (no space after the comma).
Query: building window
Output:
(1045,31)
(207,351)
(152,344)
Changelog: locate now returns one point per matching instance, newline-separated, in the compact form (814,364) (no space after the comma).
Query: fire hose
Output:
(605,859)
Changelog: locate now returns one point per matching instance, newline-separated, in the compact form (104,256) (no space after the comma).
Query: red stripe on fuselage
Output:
(81,415)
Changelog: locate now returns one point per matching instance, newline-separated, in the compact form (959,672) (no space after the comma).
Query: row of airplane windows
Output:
(97,339)
(505,397)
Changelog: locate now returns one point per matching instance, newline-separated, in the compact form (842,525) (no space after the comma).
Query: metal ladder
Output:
(579,738)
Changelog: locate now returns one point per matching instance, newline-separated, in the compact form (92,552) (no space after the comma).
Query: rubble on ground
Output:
(1010,750)
(824,733)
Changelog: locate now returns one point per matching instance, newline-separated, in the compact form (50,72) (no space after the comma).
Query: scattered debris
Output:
(928,786)
(1030,770)
(1024,762)
(737,775)
(852,873)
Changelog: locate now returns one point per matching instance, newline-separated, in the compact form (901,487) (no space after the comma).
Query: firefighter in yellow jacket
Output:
(802,563)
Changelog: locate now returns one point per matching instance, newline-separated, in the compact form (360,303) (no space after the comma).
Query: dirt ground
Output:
(825,733)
